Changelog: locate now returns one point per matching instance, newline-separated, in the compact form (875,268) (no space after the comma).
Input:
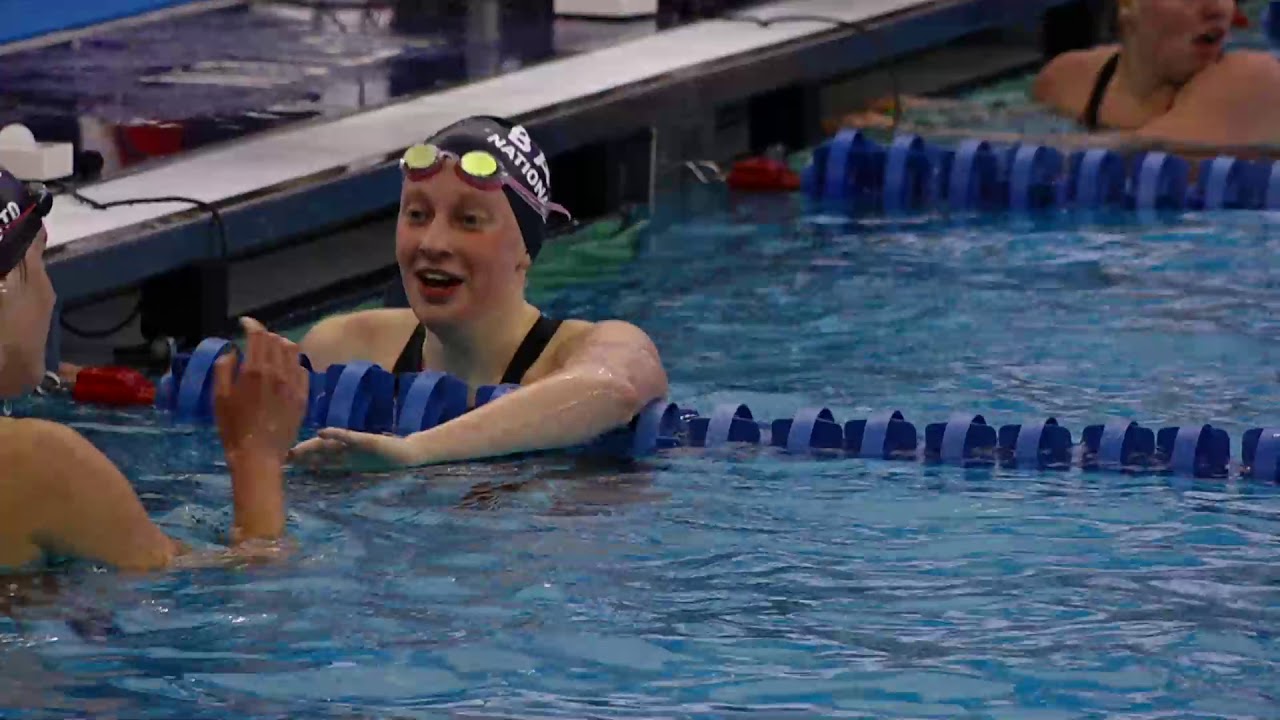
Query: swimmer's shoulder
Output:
(376,336)
(1239,72)
(29,439)
(573,336)
(40,447)
(568,337)
(34,454)
(1238,97)
(1066,81)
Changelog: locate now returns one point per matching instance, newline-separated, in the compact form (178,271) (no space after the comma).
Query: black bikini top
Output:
(1090,117)
(531,348)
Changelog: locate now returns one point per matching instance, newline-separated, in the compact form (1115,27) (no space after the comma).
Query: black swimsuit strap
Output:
(531,348)
(410,360)
(535,342)
(1090,117)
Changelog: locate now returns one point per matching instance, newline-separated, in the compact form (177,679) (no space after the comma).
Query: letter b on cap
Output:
(520,138)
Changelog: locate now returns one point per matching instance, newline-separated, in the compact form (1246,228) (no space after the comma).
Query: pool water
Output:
(701,584)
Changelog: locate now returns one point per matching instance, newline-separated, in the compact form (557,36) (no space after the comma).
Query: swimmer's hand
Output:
(259,411)
(340,445)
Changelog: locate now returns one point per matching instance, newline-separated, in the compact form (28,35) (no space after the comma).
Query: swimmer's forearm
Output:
(257,488)
(560,411)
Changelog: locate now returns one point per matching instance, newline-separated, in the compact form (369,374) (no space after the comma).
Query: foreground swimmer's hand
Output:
(259,411)
(59,494)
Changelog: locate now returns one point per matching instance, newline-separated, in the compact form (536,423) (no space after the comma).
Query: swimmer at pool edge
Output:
(59,495)
(1170,79)
(474,204)
(1195,100)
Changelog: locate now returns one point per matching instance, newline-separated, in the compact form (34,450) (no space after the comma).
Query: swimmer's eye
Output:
(415,214)
(472,219)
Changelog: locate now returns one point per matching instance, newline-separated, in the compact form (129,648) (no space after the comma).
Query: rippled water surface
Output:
(701,584)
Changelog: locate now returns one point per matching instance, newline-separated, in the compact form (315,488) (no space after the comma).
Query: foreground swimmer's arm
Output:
(606,377)
(58,493)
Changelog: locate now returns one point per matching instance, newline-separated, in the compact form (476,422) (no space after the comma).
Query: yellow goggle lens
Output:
(479,164)
(420,157)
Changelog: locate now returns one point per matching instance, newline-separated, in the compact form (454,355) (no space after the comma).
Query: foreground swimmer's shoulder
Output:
(375,335)
(60,493)
(1065,82)
(17,483)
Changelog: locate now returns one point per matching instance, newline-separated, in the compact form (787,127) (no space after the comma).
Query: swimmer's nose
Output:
(435,241)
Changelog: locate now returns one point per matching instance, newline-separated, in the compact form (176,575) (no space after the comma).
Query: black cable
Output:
(861,27)
(214,214)
(105,333)
(219,227)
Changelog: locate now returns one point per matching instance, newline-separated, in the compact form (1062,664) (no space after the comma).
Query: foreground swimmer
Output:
(59,494)
(1169,79)
(473,211)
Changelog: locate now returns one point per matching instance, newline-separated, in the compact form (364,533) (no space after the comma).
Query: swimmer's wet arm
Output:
(606,378)
(61,494)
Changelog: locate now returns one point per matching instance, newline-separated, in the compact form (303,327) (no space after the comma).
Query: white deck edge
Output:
(264,161)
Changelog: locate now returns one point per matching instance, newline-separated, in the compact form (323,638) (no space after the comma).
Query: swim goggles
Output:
(13,241)
(478,168)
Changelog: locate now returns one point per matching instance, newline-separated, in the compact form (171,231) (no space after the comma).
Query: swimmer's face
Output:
(1178,37)
(459,249)
(26,307)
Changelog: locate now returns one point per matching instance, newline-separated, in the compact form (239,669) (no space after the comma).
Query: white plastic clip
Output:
(28,159)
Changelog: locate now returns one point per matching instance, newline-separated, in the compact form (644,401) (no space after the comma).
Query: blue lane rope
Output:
(429,399)
(909,174)
(195,387)
(1273,188)
(362,396)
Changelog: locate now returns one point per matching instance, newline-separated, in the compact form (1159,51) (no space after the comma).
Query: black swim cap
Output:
(520,157)
(22,210)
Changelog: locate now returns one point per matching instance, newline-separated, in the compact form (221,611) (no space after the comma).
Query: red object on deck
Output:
(762,173)
(1240,20)
(118,386)
(149,139)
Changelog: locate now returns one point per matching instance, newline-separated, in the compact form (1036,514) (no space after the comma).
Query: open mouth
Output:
(438,279)
(1210,38)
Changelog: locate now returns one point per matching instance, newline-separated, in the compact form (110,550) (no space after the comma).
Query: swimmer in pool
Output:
(1169,84)
(474,203)
(1169,79)
(59,495)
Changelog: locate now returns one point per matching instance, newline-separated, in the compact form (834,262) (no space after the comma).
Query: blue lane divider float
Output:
(363,396)
(428,399)
(1203,451)
(1032,179)
(1260,453)
(883,436)
(854,172)
(1036,445)
(1273,188)
(964,439)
